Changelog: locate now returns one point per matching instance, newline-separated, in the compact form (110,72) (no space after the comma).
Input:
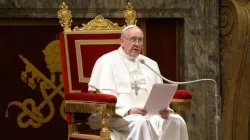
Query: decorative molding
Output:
(235,67)
(92,12)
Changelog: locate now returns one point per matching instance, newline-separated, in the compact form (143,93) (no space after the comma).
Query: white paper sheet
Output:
(160,97)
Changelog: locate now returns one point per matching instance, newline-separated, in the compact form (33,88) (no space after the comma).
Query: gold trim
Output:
(68,64)
(94,32)
(87,136)
(181,104)
(72,106)
(79,55)
(105,133)
(99,23)
(72,127)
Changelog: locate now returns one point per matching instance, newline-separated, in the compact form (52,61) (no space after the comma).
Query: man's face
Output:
(132,42)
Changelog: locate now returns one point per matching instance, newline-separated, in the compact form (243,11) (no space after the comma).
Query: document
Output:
(160,97)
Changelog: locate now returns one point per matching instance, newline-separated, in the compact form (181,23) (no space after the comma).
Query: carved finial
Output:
(130,15)
(65,17)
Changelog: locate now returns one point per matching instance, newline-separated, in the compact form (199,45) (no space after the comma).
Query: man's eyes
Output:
(134,39)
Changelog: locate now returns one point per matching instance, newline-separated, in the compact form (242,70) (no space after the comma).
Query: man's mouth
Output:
(134,49)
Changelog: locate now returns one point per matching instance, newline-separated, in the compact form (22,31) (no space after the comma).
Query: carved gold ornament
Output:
(99,23)
(130,15)
(65,17)
(33,77)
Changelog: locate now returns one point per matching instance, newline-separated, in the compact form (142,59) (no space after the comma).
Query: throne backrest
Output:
(82,46)
(80,52)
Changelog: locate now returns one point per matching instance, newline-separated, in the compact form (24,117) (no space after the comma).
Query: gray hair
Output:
(126,28)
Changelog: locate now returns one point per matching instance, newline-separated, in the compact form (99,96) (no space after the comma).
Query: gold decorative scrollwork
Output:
(33,77)
(130,15)
(65,17)
(99,23)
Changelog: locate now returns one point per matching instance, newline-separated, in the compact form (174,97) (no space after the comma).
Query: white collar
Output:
(124,55)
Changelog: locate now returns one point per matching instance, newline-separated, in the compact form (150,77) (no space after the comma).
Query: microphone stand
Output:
(217,117)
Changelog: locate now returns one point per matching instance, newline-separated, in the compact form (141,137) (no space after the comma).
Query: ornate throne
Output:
(100,36)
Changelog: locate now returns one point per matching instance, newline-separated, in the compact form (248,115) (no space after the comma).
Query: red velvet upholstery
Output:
(91,97)
(89,51)
(183,94)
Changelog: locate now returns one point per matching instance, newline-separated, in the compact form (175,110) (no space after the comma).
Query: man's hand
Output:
(165,112)
(137,110)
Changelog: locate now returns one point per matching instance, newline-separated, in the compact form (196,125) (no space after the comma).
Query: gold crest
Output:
(36,118)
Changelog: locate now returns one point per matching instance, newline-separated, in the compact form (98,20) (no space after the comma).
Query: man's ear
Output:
(121,40)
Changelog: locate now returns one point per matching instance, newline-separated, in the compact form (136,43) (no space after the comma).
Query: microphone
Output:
(217,117)
(173,82)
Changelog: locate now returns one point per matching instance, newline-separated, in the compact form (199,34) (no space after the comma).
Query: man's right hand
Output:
(137,110)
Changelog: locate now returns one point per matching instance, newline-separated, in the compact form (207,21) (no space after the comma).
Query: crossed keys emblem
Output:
(33,77)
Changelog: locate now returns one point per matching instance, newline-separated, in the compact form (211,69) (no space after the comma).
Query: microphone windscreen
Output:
(142,60)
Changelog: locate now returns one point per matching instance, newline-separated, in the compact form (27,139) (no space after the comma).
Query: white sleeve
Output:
(102,76)
(122,106)
(102,81)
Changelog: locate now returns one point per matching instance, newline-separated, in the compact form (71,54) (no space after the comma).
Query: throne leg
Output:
(72,127)
(105,133)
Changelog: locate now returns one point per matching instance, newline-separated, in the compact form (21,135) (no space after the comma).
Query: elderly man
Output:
(120,73)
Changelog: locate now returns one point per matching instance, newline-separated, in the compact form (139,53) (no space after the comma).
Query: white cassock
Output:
(131,82)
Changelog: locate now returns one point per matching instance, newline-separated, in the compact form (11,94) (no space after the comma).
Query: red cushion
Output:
(182,94)
(91,97)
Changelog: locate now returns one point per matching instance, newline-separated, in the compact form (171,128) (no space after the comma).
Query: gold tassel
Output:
(181,104)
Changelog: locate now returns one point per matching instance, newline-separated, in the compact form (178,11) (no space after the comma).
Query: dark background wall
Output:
(28,41)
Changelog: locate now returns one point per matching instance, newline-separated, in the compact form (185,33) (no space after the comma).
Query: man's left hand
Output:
(165,112)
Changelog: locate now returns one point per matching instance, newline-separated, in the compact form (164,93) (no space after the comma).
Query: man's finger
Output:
(141,112)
